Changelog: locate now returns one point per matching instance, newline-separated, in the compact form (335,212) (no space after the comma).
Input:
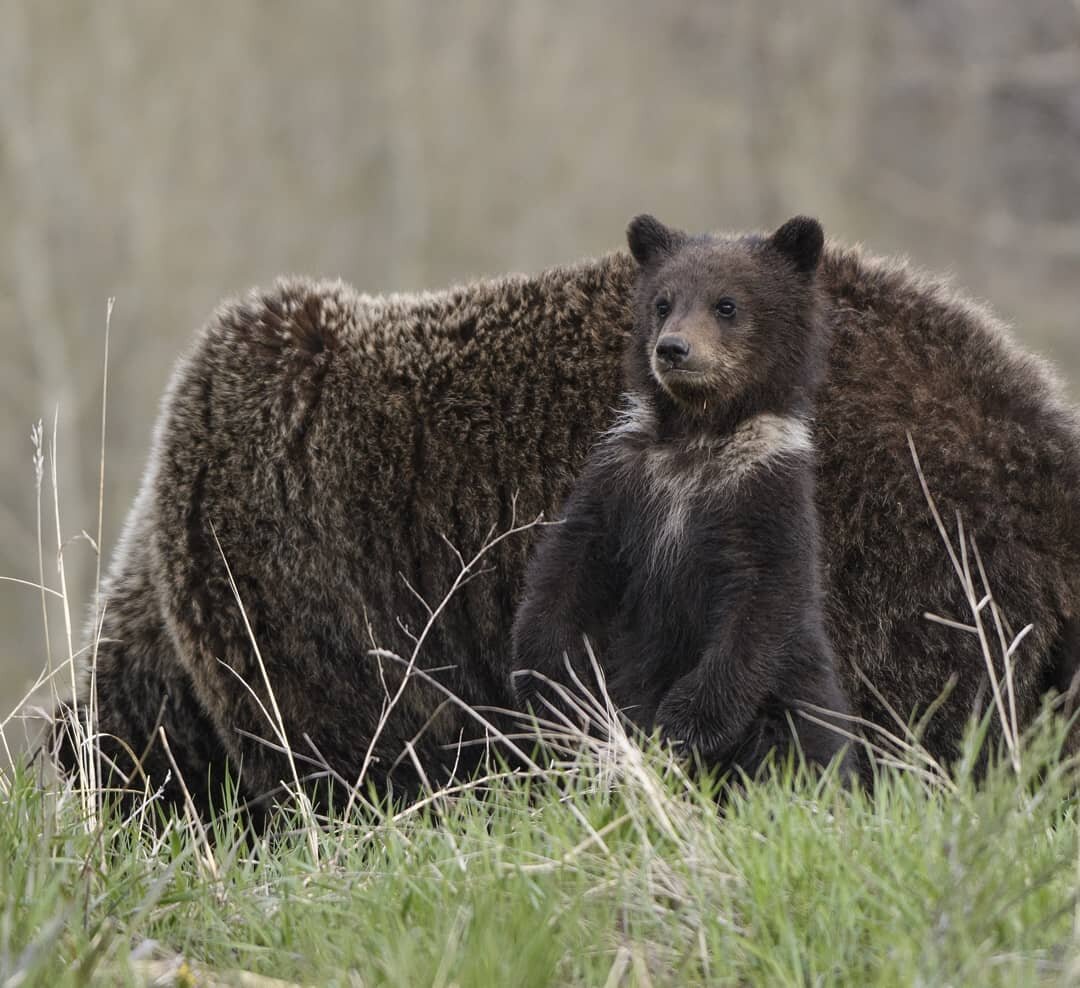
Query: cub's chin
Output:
(691,386)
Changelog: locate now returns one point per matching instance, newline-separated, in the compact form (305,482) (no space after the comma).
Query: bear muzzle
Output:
(673,350)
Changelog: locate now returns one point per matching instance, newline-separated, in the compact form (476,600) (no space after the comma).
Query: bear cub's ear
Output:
(650,240)
(801,241)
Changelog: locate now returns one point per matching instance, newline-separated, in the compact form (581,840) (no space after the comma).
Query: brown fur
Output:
(332,440)
(689,549)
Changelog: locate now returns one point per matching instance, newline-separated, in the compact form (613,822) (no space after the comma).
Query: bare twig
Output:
(977,602)
(464,573)
(194,822)
(277,722)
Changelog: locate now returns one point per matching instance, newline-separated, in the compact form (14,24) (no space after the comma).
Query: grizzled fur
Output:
(333,443)
(689,553)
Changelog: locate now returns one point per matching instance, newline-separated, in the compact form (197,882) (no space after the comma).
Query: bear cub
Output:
(689,551)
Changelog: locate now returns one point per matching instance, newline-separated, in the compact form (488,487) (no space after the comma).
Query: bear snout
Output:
(673,349)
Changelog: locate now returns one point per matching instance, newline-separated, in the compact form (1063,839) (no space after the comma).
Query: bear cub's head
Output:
(726,327)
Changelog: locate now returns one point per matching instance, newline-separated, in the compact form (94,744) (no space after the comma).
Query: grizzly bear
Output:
(327,465)
(688,555)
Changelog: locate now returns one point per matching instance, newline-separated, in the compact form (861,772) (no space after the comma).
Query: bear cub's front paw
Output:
(687,727)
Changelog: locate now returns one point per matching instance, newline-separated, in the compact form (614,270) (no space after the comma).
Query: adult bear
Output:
(338,451)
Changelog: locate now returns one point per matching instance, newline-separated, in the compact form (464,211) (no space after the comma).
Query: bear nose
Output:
(674,349)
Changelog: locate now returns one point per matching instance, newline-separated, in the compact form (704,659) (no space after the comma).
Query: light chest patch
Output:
(675,478)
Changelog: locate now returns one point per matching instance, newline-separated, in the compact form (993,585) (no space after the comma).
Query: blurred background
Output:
(170,154)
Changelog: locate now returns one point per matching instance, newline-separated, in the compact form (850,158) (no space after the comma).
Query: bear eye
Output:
(725,308)
(663,308)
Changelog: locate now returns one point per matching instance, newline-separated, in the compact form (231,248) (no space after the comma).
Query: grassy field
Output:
(610,869)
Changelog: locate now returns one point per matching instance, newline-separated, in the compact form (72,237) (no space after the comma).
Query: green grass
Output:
(616,873)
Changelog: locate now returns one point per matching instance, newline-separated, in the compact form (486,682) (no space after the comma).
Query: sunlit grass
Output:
(582,878)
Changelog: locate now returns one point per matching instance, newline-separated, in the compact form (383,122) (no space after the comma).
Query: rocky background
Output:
(170,154)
